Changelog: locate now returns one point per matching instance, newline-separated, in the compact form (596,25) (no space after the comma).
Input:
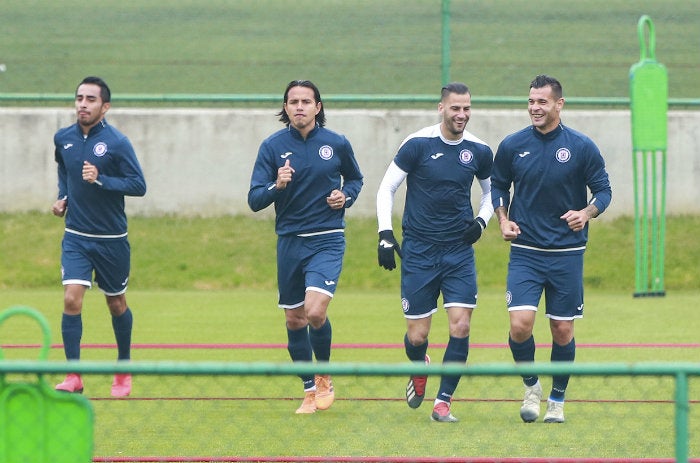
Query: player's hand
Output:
(576,220)
(386,248)
(336,200)
(59,207)
(284,175)
(509,230)
(90,172)
(474,230)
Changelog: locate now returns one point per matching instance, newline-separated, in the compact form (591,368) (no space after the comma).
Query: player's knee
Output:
(316,319)
(459,330)
(521,328)
(72,302)
(520,333)
(562,331)
(417,337)
(117,305)
(562,337)
(296,318)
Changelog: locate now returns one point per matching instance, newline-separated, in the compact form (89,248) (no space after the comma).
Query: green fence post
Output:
(649,107)
(682,418)
(446,64)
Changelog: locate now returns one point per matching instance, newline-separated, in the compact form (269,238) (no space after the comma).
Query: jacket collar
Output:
(97,128)
(549,135)
(297,134)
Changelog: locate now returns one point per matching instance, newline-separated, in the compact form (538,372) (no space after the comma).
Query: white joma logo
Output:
(286,155)
(329,282)
(436,155)
(523,154)
(67,145)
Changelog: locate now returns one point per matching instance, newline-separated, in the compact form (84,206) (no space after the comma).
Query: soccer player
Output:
(310,174)
(551,168)
(97,167)
(439,164)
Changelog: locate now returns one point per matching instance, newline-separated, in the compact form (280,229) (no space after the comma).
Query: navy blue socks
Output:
(321,341)
(415,353)
(457,351)
(72,330)
(299,347)
(122,326)
(565,353)
(524,352)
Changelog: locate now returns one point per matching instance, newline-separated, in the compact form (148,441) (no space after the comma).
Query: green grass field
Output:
(211,281)
(220,253)
(233,415)
(356,47)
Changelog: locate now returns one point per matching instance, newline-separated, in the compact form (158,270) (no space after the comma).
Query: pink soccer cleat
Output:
(72,383)
(121,387)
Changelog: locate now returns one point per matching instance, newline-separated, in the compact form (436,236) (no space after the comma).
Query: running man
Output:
(97,167)
(311,176)
(551,168)
(439,164)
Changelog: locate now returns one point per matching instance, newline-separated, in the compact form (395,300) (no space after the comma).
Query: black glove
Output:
(386,248)
(473,231)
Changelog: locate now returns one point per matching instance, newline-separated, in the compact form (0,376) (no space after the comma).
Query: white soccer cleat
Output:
(555,412)
(530,409)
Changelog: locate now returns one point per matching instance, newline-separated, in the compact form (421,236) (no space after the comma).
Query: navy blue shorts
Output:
(309,263)
(430,269)
(109,259)
(559,276)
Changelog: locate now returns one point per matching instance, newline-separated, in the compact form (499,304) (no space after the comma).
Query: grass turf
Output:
(229,415)
(239,252)
(358,47)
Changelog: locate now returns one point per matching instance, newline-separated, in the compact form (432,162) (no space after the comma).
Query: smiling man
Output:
(551,168)
(439,164)
(311,175)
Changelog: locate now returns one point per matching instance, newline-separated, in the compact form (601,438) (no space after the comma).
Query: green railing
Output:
(680,372)
(343,98)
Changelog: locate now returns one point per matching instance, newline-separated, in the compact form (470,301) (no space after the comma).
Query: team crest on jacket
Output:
(99,149)
(326,152)
(465,157)
(563,155)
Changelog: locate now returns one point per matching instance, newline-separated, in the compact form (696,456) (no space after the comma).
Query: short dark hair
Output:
(320,117)
(105,93)
(455,87)
(544,80)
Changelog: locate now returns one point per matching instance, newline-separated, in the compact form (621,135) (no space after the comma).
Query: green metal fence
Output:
(197,382)
(231,98)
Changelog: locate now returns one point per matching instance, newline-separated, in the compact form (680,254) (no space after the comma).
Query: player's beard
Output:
(545,122)
(455,128)
(88,119)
